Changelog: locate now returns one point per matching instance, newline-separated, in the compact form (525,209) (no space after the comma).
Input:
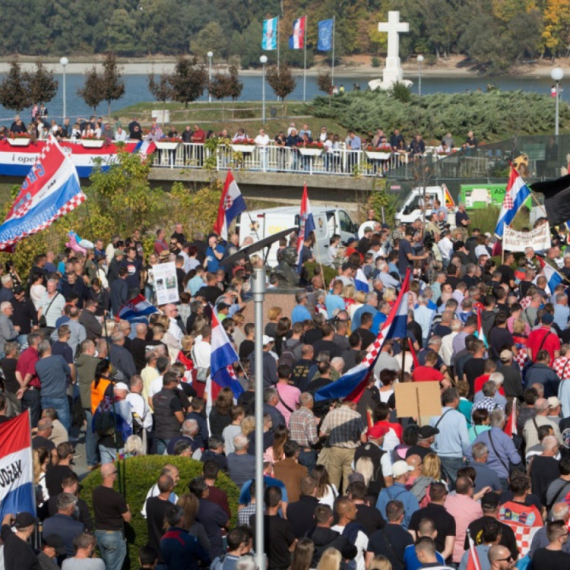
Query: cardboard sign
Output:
(417,399)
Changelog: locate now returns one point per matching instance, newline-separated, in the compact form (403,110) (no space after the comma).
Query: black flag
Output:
(556,199)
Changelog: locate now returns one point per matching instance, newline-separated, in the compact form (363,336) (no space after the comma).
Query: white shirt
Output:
(201,353)
(175,330)
(141,408)
(262,140)
(154,492)
(155,386)
(446,348)
(446,247)
(121,136)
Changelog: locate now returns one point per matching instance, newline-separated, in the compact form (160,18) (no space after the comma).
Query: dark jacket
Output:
(92,326)
(119,294)
(324,538)
(301,515)
(122,360)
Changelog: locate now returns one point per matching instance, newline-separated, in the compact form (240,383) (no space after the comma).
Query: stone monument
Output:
(392,71)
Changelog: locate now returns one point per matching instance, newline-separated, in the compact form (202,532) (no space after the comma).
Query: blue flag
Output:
(269,39)
(325,35)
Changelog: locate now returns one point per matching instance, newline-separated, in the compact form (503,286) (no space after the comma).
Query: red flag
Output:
(511,425)
(413,353)
(473,562)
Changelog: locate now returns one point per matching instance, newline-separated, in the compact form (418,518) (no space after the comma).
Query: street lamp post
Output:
(263,61)
(420,60)
(64,61)
(557,74)
(210,55)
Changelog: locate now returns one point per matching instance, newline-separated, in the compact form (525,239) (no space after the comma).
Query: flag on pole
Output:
(269,39)
(231,205)
(306,226)
(50,191)
(473,562)
(351,385)
(516,194)
(480,334)
(511,425)
(553,277)
(325,41)
(297,38)
(360,281)
(16,466)
(135,308)
(222,359)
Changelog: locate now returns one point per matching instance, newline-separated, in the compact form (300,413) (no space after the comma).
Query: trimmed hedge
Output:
(141,473)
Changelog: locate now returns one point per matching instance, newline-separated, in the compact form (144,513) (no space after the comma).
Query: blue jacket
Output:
(505,451)
(398,492)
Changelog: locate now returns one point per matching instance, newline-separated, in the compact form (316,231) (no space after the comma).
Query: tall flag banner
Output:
(351,385)
(306,226)
(136,308)
(556,199)
(297,38)
(221,360)
(515,196)
(511,426)
(16,466)
(480,334)
(473,562)
(269,39)
(231,205)
(553,277)
(50,191)
(325,41)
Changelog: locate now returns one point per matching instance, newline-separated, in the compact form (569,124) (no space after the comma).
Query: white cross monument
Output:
(392,71)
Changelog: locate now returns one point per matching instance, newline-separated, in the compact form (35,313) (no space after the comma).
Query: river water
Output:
(137,90)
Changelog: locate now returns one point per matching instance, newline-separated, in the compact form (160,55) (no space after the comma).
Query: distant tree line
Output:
(490,33)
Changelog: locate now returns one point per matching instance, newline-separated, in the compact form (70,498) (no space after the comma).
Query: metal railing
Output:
(339,162)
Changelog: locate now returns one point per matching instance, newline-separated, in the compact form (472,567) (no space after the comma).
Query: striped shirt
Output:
(303,427)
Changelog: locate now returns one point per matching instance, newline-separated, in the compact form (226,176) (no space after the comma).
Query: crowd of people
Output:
(346,484)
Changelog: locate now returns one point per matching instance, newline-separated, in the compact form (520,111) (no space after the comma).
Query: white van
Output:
(328,221)
(411,210)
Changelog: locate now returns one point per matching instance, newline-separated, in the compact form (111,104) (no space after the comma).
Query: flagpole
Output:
(404,343)
(332,62)
(278,50)
(305,60)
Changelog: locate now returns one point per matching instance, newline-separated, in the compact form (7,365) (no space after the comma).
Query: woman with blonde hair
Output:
(389,295)
(273,316)
(303,554)
(380,562)
(430,472)
(330,560)
(190,504)
(134,446)
(247,425)
(359,300)
(348,294)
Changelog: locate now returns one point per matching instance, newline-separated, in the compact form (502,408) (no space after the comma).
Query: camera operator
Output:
(407,256)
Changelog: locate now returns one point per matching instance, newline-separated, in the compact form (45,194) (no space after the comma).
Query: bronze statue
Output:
(285,271)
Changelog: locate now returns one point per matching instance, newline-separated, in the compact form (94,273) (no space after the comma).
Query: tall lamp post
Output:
(420,60)
(210,55)
(64,61)
(263,61)
(557,74)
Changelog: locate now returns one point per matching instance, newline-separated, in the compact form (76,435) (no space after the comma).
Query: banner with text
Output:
(539,239)
(165,283)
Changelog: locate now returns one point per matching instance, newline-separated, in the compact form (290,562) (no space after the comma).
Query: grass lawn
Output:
(227,114)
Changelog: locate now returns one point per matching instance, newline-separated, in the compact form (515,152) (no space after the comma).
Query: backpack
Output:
(288,355)
(104,424)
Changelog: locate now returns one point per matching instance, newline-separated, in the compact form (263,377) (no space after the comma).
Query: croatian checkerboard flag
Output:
(351,385)
(306,226)
(269,39)
(16,466)
(231,205)
(135,308)
(297,38)
(515,196)
(50,191)
(221,363)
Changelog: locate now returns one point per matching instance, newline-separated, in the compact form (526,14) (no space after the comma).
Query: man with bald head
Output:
(171,311)
(559,512)
(530,432)
(138,346)
(500,558)
(111,512)
(156,509)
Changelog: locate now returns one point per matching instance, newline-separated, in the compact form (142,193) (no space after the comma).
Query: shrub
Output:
(375,62)
(141,474)
(400,92)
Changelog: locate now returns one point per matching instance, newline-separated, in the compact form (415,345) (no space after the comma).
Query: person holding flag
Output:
(231,206)
(515,196)
(306,226)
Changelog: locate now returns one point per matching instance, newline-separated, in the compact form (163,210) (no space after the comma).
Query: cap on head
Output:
(400,468)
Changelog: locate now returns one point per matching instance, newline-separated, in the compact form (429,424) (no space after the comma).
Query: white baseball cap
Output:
(400,468)
(121,386)
(267,340)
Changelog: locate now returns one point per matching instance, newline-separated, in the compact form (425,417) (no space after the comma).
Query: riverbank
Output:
(353,66)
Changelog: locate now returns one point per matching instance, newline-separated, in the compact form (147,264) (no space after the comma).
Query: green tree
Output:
(324,82)
(235,86)
(42,84)
(14,91)
(211,38)
(112,86)
(92,92)
(188,80)
(282,82)
(162,89)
